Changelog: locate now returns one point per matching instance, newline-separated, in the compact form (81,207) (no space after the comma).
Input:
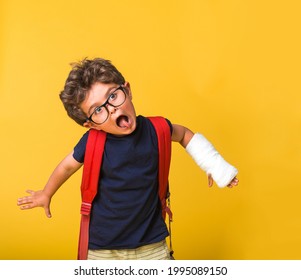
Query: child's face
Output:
(121,120)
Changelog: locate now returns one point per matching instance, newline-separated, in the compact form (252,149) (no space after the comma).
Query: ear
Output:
(87,124)
(90,125)
(128,89)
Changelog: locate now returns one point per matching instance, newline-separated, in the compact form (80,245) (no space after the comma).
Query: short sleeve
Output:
(80,148)
(170,125)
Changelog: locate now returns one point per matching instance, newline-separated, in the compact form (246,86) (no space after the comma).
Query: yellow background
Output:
(228,69)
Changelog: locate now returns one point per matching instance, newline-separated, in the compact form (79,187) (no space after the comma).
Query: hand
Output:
(35,199)
(234,182)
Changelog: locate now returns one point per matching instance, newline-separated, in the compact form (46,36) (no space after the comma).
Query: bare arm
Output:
(181,134)
(42,198)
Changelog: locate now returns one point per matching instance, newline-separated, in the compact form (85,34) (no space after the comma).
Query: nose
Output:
(111,109)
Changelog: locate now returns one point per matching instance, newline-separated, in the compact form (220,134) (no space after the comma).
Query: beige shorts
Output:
(156,251)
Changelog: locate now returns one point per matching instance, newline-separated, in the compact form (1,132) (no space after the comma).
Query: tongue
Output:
(123,121)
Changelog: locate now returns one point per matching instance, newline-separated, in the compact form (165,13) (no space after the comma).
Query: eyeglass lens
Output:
(101,113)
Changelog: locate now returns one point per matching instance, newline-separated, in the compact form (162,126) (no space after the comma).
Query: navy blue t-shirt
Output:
(126,212)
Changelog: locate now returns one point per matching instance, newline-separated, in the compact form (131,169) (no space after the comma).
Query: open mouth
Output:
(123,121)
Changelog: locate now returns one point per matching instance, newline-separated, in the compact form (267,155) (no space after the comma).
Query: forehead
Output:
(96,96)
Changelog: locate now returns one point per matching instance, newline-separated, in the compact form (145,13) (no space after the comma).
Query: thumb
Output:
(210,180)
(47,211)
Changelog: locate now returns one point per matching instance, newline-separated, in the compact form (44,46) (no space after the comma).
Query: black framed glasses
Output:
(101,113)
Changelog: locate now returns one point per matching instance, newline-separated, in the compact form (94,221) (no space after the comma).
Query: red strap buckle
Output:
(85,208)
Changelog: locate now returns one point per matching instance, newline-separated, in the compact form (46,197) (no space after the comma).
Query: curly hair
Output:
(80,80)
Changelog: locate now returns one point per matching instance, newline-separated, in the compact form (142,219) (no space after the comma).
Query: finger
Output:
(24,200)
(19,201)
(233,183)
(26,206)
(210,180)
(30,192)
(47,212)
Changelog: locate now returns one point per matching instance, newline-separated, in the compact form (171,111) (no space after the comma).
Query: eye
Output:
(112,96)
(98,110)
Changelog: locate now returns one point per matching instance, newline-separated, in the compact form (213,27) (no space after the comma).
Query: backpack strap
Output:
(164,145)
(92,162)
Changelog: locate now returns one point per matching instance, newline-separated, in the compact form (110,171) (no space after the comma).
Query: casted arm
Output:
(206,157)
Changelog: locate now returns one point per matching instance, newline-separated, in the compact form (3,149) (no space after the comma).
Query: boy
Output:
(126,220)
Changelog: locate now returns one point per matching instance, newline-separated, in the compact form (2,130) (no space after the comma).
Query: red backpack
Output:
(90,179)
